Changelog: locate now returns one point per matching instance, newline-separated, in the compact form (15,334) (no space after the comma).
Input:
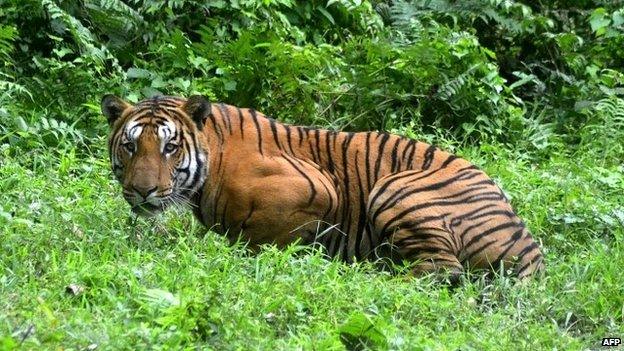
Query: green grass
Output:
(168,283)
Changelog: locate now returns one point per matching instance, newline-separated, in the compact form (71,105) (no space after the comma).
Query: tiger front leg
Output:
(291,201)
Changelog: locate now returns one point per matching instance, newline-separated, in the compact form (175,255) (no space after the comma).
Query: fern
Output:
(9,90)
(453,86)
(117,6)
(81,35)
(605,129)
(7,36)
(611,113)
(120,22)
(494,12)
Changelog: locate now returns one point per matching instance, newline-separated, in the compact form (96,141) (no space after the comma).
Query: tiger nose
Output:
(144,191)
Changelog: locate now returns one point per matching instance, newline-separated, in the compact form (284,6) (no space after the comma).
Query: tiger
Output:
(356,195)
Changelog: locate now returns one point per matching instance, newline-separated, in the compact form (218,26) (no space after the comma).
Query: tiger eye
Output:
(170,148)
(129,146)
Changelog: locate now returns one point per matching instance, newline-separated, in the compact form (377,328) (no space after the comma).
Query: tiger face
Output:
(155,150)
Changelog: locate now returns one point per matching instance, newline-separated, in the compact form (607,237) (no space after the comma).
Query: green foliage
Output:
(604,130)
(474,67)
(361,332)
(7,36)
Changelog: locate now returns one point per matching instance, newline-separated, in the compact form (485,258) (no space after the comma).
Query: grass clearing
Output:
(168,283)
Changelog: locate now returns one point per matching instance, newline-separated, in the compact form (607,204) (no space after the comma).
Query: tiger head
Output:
(157,150)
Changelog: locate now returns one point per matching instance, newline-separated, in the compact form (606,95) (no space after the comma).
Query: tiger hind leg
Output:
(428,250)
(403,212)
(451,218)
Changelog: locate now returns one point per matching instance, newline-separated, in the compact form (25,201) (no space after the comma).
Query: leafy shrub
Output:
(486,70)
(604,130)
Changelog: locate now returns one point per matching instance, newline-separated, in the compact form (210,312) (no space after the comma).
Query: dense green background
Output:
(529,91)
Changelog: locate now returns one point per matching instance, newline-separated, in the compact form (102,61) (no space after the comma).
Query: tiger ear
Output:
(198,108)
(113,107)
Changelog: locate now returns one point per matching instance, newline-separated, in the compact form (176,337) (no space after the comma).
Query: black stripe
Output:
(359,232)
(534,261)
(223,216)
(410,143)
(243,224)
(160,121)
(345,238)
(367,161)
(318,146)
(300,133)
(479,250)
(187,173)
(346,216)
(329,152)
(226,117)
(240,121)
(200,164)
(411,224)
(216,203)
(484,182)
(458,219)
(310,146)
(485,233)
(509,243)
(331,200)
(448,161)
(332,245)
(471,227)
(393,155)
(527,250)
(428,251)
(423,220)
(274,132)
(139,110)
(130,131)
(414,237)
(185,170)
(443,237)
(305,176)
(389,181)
(467,168)
(288,139)
(217,127)
(464,192)
(410,160)
(429,153)
(258,131)
(380,155)
(508,214)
